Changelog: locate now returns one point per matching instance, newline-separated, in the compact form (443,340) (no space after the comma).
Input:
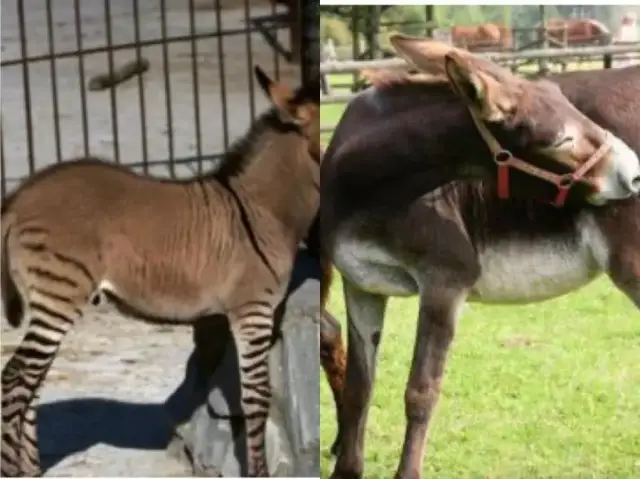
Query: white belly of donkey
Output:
(521,271)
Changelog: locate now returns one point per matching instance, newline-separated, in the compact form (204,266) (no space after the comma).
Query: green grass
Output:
(546,390)
(543,390)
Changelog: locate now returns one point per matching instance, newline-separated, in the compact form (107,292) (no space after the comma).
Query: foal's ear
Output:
(280,95)
(490,96)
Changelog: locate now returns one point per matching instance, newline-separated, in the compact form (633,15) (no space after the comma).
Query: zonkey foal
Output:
(223,243)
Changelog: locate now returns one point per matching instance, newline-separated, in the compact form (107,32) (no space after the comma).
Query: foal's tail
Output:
(11,302)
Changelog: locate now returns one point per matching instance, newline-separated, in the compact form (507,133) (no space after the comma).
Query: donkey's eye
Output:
(565,140)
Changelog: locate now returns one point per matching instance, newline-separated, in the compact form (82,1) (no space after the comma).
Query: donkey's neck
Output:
(280,181)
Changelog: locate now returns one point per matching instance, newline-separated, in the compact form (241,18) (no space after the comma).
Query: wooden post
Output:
(429,14)
(543,67)
(373,29)
(355,11)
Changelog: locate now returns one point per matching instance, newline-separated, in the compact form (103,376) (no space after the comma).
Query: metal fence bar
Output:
(27,87)
(83,93)
(54,82)
(141,92)
(112,90)
(3,166)
(123,46)
(223,80)
(276,57)
(310,42)
(196,82)
(252,103)
(167,87)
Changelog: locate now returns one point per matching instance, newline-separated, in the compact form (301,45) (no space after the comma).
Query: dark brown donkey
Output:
(394,224)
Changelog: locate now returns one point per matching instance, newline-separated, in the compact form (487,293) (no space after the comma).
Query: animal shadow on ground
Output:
(70,426)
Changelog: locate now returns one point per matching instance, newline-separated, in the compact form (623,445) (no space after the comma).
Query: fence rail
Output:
(499,57)
(353,66)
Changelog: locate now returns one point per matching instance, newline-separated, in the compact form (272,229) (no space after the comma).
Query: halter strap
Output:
(505,160)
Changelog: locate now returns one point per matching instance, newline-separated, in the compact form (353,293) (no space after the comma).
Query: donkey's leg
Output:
(252,329)
(439,309)
(624,271)
(365,316)
(334,362)
(23,375)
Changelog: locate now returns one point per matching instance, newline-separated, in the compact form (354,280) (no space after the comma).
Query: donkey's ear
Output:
(424,53)
(488,95)
(280,95)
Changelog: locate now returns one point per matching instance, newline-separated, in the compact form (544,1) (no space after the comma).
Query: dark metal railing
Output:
(160,118)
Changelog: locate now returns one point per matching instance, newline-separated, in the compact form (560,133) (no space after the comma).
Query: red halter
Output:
(505,160)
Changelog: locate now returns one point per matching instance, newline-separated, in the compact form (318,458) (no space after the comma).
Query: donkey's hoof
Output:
(344,474)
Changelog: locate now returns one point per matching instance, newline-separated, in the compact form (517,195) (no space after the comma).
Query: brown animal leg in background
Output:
(365,316)
(436,326)
(334,362)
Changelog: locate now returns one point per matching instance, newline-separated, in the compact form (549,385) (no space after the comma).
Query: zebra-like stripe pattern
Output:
(252,330)
(52,312)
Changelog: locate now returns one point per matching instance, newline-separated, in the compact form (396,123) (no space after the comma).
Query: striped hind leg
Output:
(51,317)
(252,329)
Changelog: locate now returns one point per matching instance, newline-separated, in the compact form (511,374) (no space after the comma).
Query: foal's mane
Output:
(242,152)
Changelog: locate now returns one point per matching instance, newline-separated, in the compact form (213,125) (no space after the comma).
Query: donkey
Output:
(87,229)
(395,225)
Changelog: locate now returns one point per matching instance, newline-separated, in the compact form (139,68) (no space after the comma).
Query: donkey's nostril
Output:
(635,185)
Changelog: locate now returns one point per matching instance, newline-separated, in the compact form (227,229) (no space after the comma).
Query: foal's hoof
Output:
(9,470)
(32,472)
(260,469)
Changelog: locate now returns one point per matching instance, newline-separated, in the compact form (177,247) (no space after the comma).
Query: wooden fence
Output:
(605,53)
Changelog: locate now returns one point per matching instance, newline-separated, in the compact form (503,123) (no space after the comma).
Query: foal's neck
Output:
(282,181)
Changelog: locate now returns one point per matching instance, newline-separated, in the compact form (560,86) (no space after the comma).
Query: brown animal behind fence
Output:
(163,250)
(578,31)
(481,37)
